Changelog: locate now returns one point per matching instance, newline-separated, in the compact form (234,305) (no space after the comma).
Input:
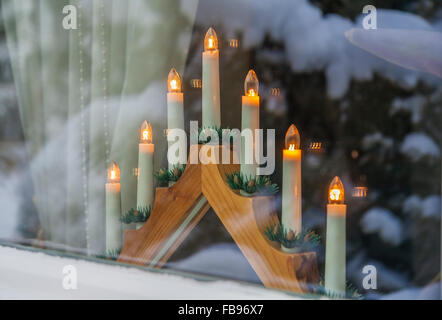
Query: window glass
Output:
(90,90)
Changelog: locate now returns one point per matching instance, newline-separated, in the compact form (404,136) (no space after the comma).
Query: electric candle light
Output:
(291,214)
(211,112)
(249,120)
(335,239)
(175,110)
(114,228)
(145,168)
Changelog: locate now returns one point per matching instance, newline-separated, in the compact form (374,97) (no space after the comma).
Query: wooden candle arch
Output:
(179,208)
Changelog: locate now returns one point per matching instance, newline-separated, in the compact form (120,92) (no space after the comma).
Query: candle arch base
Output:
(178,209)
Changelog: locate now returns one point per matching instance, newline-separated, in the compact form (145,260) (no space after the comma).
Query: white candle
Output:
(211,112)
(145,190)
(249,120)
(114,228)
(291,213)
(175,109)
(335,239)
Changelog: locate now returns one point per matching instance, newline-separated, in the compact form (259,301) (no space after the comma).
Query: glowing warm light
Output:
(336,191)
(251,84)
(292,138)
(146,132)
(196,83)
(276,92)
(233,43)
(315,145)
(354,154)
(360,192)
(113,173)
(210,40)
(174,81)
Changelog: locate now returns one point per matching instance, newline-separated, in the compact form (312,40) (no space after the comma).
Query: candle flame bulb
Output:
(113,173)
(174,81)
(292,138)
(251,84)
(336,191)
(210,40)
(146,132)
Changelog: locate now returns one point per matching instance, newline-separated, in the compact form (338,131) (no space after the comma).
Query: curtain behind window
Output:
(83,95)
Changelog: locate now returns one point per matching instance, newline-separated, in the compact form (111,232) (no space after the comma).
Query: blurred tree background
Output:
(363,133)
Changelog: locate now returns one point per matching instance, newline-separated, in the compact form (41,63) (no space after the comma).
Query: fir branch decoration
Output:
(261,185)
(351,291)
(164,175)
(204,134)
(305,240)
(110,254)
(136,215)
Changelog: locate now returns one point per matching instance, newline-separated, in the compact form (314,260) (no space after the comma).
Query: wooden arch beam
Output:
(179,208)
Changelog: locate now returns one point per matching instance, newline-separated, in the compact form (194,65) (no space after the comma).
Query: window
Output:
(90,92)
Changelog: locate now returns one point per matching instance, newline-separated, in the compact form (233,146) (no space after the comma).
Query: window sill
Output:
(30,274)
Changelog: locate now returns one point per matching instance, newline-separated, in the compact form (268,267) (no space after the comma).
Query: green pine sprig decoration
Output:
(136,215)
(164,175)
(351,292)
(260,185)
(306,240)
(110,254)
